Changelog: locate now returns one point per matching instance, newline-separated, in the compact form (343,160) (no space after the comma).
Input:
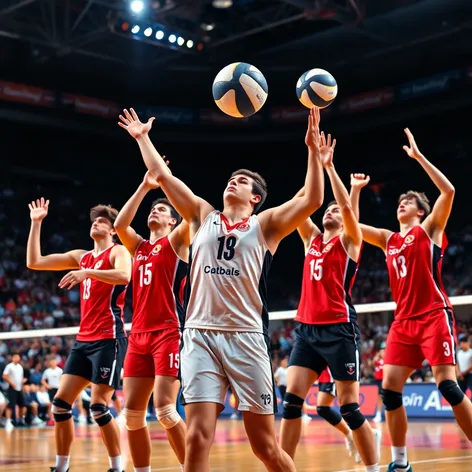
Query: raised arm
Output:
(125,232)
(280,221)
(436,222)
(192,208)
(358,182)
(351,231)
(375,236)
(119,275)
(307,230)
(34,259)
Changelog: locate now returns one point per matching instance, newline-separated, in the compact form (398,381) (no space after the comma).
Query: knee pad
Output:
(61,410)
(391,400)
(451,392)
(101,414)
(168,416)
(292,406)
(352,415)
(328,414)
(134,419)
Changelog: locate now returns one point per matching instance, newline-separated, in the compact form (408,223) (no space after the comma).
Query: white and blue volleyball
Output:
(240,90)
(317,88)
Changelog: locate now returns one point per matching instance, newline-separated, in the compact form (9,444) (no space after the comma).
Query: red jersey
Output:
(158,276)
(101,304)
(379,369)
(325,376)
(414,266)
(328,277)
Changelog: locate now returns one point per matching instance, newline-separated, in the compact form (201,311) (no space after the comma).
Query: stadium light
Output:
(147,32)
(137,6)
(160,35)
(135,29)
(172,38)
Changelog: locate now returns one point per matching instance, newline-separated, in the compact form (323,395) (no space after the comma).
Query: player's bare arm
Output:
(180,240)
(358,182)
(307,230)
(278,222)
(125,232)
(351,235)
(119,275)
(34,259)
(436,222)
(192,208)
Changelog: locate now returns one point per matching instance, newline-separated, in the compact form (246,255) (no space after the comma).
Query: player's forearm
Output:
(129,210)
(339,190)
(438,178)
(110,276)
(313,189)
(354,197)
(152,159)
(33,247)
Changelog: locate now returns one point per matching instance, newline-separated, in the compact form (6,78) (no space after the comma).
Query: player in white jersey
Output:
(225,341)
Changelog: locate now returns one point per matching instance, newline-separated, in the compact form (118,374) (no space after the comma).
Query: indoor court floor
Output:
(433,447)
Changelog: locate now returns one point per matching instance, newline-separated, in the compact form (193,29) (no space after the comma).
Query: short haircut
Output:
(104,211)
(173,211)
(259,185)
(421,200)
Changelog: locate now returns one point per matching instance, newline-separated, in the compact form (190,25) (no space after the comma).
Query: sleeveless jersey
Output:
(101,304)
(414,265)
(378,369)
(328,277)
(325,376)
(158,274)
(228,267)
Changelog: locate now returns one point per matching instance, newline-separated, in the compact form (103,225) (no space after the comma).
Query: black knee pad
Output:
(101,414)
(352,415)
(451,392)
(392,400)
(61,410)
(292,406)
(330,415)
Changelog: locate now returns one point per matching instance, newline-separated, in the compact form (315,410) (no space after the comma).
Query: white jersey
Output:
(228,268)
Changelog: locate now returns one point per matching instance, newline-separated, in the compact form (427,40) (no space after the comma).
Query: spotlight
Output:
(160,34)
(180,41)
(137,6)
(135,29)
(148,32)
(190,43)
(222,3)
(207,26)
(172,38)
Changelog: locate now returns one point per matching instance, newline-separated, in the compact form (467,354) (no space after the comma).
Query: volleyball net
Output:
(363,308)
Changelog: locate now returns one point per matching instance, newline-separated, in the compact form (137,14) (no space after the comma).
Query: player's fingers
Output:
(334,144)
(406,149)
(128,115)
(122,125)
(123,119)
(133,114)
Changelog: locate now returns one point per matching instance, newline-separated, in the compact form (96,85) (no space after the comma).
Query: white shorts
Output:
(212,361)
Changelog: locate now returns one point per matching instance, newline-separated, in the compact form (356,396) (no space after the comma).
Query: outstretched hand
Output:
(312,138)
(38,209)
(327,149)
(131,123)
(359,180)
(411,150)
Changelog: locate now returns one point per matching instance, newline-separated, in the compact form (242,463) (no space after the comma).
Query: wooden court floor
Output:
(433,447)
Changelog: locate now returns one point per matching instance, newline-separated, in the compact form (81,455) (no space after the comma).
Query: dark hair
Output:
(104,211)
(331,203)
(173,211)
(421,200)
(259,185)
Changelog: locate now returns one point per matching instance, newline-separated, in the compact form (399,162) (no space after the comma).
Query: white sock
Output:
(62,463)
(399,456)
(115,463)
(143,469)
(349,436)
(372,468)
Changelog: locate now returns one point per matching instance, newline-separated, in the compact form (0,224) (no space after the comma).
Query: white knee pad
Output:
(168,416)
(134,419)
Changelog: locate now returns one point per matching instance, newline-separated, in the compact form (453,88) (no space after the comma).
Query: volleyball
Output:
(240,90)
(317,87)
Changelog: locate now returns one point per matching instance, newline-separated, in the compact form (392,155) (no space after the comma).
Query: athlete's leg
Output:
(70,387)
(137,392)
(378,414)
(201,424)
(260,430)
(166,389)
(348,397)
(394,379)
(445,376)
(299,381)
